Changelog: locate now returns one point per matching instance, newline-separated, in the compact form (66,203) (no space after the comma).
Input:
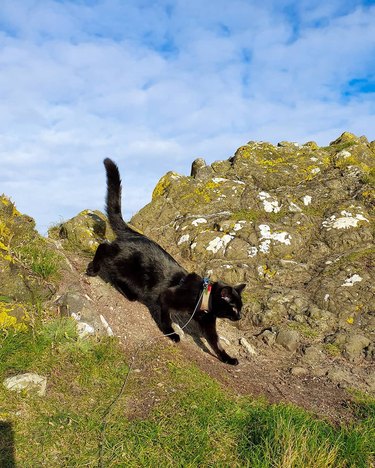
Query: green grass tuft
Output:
(40,259)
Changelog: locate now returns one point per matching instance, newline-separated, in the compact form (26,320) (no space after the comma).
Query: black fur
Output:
(142,270)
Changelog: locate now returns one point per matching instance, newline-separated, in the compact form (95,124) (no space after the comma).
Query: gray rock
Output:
(83,232)
(319,371)
(293,222)
(312,355)
(288,339)
(30,382)
(197,165)
(298,371)
(268,337)
(354,348)
(370,382)
(78,306)
(340,377)
(248,347)
(84,329)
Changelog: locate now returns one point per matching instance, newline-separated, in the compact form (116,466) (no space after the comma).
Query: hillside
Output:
(296,223)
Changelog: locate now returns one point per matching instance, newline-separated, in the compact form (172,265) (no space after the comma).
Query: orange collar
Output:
(205,304)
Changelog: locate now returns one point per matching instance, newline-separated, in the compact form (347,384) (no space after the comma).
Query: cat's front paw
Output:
(174,337)
(230,360)
(90,270)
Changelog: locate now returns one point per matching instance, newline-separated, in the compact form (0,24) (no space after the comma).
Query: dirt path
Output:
(265,374)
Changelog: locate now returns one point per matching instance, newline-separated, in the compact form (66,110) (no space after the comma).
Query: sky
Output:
(156,84)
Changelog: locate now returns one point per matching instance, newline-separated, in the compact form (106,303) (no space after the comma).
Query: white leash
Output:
(123,386)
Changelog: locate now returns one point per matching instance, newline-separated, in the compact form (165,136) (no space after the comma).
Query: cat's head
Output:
(226,301)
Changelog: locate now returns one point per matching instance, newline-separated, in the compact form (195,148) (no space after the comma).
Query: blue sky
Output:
(155,84)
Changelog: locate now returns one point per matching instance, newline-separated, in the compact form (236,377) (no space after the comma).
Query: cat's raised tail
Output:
(113,199)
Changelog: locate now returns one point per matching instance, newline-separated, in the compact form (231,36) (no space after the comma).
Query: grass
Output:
(43,261)
(191,420)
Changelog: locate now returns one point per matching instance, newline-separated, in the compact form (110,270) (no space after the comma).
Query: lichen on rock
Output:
(84,232)
(296,222)
(28,267)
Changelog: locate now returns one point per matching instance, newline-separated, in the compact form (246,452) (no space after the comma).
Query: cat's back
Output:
(141,253)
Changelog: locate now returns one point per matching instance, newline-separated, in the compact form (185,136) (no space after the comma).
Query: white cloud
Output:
(155,85)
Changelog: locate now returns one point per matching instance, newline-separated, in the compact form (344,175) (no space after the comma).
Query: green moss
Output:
(203,193)
(256,216)
(161,187)
(340,146)
(332,349)
(368,197)
(267,271)
(274,217)
(312,145)
(304,329)
(245,215)
(271,162)
(316,210)
(370,177)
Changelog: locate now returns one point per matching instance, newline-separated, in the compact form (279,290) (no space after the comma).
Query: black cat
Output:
(143,271)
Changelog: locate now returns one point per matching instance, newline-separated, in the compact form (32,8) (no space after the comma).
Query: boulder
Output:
(288,339)
(78,306)
(354,348)
(84,232)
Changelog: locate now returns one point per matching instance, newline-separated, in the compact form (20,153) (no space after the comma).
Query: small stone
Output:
(339,376)
(355,346)
(225,340)
(298,371)
(106,326)
(249,348)
(268,337)
(84,329)
(288,339)
(30,382)
(319,371)
(312,355)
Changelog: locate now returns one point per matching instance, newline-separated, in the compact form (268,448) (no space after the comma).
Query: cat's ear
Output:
(240,287)
(226,293)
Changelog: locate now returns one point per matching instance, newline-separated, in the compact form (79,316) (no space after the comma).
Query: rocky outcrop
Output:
(83,233)
(296,223)
(28,268)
